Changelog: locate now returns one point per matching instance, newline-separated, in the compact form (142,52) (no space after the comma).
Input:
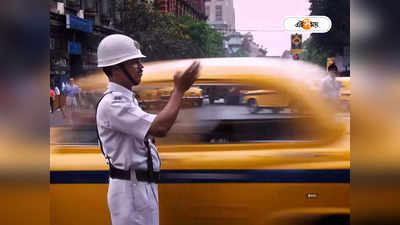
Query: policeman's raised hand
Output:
(184,80)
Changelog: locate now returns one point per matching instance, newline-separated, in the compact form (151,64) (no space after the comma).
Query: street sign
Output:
(296,44)
(74,48)
(330,61)
(76,23)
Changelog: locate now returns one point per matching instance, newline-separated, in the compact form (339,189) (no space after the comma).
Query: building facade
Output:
(286,55)
(237,44)
(76,29)
(221,15)
(195,8)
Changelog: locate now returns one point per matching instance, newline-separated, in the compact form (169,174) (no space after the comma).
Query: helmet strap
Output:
(127,74)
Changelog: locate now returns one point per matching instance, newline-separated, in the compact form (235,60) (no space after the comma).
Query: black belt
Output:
(141,175)
(147,176)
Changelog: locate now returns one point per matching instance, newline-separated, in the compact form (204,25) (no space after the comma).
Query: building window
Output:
(218,13)
(207,11)
(74,3)
(52,43)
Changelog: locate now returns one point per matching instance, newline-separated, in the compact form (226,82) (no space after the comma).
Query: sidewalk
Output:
(79,118)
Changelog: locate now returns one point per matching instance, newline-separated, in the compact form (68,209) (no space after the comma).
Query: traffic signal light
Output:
(295,57)
(296,44)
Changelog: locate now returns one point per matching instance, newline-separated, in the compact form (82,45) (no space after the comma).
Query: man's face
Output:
(71,81)
(135,69)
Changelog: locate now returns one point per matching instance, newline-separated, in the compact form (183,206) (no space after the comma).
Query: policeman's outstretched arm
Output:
(166,118)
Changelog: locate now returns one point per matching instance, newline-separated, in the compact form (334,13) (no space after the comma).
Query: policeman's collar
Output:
(119,88)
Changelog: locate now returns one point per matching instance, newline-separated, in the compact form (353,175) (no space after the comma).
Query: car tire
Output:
(211,100)
(252,106)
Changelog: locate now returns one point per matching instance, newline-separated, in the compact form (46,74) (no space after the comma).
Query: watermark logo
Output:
(309,24)
(306,24)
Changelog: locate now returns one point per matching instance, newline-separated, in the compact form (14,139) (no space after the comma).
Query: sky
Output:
(267,16)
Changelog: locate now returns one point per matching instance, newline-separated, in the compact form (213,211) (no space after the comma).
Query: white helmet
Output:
(117,48)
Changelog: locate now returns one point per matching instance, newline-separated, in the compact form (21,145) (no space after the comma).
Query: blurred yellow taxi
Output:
(220,163)
(270,99)
(193,96)
(148,98)
(157,98)
(345,92)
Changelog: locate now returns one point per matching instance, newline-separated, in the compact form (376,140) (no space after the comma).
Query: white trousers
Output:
(71,101)
(132,202)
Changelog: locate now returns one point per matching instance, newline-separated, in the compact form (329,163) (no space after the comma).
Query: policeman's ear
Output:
(108,71)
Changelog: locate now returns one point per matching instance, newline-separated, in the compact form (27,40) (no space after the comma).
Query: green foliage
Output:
(313,53)
(339,35)
(164,36)
(320,46)
(206,42)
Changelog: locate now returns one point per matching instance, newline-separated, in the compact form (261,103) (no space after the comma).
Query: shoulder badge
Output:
(117,96)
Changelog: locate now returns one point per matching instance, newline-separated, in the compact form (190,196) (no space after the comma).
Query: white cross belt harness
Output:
(149,175)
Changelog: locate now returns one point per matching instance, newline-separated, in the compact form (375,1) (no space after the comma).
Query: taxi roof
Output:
(235,69)
(297,76)
(214,70)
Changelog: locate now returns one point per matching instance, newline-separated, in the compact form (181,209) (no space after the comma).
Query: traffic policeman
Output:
(124,131)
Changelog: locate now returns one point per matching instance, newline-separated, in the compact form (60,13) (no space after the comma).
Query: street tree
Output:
(328,44)
(314,53)
(164,36)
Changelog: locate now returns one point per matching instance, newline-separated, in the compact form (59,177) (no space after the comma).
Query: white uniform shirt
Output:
(122,126)
(330,88)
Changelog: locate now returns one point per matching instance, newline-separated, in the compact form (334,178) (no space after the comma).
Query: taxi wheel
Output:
(252,104)
(211,100)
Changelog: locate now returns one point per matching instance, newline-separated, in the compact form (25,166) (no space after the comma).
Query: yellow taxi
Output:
(222,164)
(150,98)
(193,96)
(345,92)
(267,99)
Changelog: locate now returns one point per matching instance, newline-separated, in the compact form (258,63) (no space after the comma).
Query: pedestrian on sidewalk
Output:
(58,100)
(52,98)
(71,90)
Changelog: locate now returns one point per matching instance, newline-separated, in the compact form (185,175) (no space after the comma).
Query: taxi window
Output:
(234,113)
(210,114)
